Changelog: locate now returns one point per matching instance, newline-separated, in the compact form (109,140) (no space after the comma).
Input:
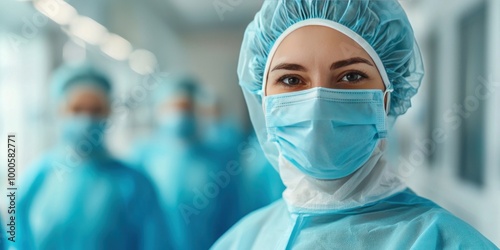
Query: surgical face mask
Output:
(326,133)
(84,133)
(179,124)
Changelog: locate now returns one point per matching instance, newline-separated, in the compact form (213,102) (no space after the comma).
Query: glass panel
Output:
(432,81)
(471,109)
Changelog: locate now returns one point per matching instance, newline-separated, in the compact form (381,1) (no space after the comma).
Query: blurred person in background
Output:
(222,134)
(186,176)
(323,114)
(260,184)
(78,196)
(222,139)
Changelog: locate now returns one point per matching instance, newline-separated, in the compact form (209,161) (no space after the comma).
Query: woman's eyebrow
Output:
(348,62)
(289,66)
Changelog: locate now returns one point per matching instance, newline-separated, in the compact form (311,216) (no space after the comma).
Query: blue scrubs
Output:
(95,204)
(402,221)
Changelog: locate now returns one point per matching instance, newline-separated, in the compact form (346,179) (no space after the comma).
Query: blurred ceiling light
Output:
(116,47)
(142,61)
(59,11)
(88,30)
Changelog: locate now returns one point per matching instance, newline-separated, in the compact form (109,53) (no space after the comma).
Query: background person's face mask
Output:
(326,133)
(84,133)
(178,124)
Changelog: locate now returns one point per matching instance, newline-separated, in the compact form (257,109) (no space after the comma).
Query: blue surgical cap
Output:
(175,85)
(67,77)
(381,25)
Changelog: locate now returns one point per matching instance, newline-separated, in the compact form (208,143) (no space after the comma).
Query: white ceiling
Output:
(210,11)
(206,14)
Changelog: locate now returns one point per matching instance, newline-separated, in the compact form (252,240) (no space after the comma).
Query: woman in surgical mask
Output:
(78,196)
(324,82)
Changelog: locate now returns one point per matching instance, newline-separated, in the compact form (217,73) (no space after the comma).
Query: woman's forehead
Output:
(315,42)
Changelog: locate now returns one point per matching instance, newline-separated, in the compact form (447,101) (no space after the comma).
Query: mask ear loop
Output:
(387,105)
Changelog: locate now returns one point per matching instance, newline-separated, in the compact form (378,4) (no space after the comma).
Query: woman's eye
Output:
(290,80)
(352,77)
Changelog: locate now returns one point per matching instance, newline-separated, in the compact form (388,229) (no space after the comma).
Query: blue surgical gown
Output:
(190,193)
(98,203)
(402,221)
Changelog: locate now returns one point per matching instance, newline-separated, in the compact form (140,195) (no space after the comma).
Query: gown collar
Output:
(374,181)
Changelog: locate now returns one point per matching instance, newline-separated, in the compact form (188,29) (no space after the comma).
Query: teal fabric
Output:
(93,204)
(402,221)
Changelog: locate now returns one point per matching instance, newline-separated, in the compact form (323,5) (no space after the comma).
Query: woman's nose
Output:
(321,80)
